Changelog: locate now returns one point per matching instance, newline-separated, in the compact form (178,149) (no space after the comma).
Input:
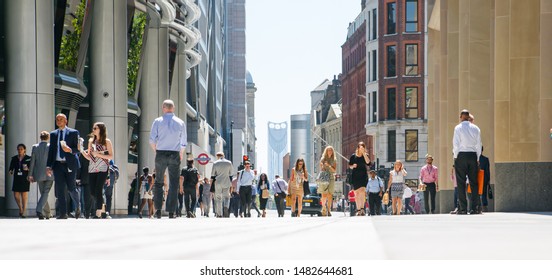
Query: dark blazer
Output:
(72,140)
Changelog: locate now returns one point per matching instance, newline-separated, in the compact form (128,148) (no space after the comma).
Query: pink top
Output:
(429,174)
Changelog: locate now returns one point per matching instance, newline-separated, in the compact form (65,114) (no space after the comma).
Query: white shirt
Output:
(246,178)
(467,138)
(279,185)
(398,177)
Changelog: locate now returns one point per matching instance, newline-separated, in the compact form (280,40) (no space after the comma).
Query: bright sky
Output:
(292,46)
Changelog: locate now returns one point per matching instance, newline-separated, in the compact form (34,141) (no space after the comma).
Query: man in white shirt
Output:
(280,187)
(245,181)
(466,145)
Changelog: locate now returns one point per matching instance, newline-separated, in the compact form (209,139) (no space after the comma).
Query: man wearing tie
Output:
(63,162)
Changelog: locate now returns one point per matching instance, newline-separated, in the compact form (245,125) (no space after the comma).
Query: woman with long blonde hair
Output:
(298,176)
(396,186)
(328,162)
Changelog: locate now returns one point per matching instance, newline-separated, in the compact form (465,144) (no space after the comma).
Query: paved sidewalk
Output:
(488,236)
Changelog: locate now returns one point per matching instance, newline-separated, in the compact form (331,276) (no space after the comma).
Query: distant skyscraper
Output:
(277,147)
(301,140)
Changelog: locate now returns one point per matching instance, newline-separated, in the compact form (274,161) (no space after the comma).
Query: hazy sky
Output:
(292,46)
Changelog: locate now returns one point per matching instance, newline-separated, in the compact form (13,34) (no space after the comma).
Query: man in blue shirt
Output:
(375,193)
(168,139)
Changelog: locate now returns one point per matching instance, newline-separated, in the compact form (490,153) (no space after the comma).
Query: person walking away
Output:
(359,163)
(328,163)
(19,168)
(466,150)
(168,139)
(396,186)
(352,203)
(189,180)
(375,193)
(245,183)
(63,163)
(280,193)
(298,176)
(429,175)
(98,154)
(37,173)
(146,192)
(263,187)
(221,175)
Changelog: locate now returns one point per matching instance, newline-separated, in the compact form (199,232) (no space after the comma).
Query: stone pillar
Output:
(178,86)
(154,84)
(29,82)
(109,98)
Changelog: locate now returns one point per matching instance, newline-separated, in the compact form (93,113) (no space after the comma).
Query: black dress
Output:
(20,182)
(360,173)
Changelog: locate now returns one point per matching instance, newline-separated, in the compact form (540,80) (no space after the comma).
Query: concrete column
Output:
(178,87)
(108,87)
(29,82)
(154,84)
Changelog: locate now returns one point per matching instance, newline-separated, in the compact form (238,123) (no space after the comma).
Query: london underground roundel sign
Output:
(203,159)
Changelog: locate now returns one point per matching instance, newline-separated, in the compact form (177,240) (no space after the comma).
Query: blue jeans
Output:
(164,160)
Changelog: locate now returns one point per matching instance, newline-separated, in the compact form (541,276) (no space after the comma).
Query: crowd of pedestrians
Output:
(85,178)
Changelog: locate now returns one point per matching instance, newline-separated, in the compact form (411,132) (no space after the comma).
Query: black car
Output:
(311,202)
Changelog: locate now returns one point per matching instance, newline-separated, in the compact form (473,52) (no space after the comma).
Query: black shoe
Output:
(475,212)
(158,214)
(70,215)
(461,212)
(62,217)
(140,215)
(77,213)
(171,215)
(193,214)
(454,212)
(40,216)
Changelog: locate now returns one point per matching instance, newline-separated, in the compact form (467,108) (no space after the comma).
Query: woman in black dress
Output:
(19,168)
(359,163)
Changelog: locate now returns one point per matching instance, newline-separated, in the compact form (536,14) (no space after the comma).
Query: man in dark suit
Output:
(63,162)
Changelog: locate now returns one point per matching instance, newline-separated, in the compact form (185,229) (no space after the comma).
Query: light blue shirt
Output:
(374,185)
(168,133)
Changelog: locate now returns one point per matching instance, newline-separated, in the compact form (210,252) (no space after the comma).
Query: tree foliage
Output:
(135,50)
(70,43)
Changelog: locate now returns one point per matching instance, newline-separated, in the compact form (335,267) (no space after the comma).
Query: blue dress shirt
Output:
(168,133)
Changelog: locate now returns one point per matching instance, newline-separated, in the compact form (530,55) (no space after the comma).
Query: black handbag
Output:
(212,187)
(490,192)
(306,188)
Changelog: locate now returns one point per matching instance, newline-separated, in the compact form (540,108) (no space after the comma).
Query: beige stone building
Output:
(495,59)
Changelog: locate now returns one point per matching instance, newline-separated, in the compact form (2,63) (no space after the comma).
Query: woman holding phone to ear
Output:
(100,151)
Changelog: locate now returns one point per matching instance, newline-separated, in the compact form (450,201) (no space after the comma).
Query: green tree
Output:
(135,50)
(70,43)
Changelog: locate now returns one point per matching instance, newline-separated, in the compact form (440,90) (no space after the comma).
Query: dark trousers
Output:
(431,190)
(407,206)
(180,202)
(87,201)
(130,201)
(235,202)
(374,200)
(190,199)
(166,160)
(65,181)
(263,202)
(108,191)
(466,165)
(280,200)
(245,199)
(97,181)
(456,197)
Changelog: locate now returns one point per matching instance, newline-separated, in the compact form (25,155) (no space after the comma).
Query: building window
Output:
(391,18)
(374,24)
(411,104)
(411,54)
(374,65)
(411,15)
(391,145)
(374,115)
(391,101)
(411,145)
(391,61)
